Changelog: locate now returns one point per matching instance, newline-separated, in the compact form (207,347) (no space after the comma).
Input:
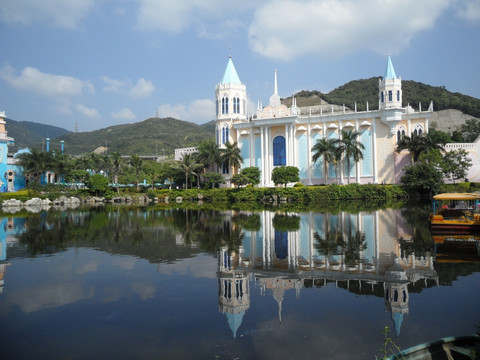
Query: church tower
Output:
(231,105)
(233,289)
(390,89)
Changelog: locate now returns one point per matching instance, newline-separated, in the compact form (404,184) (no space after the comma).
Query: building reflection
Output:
(359,252)
(9,229)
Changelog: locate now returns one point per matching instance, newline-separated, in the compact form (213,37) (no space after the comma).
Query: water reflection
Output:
(385,254)
(358,252)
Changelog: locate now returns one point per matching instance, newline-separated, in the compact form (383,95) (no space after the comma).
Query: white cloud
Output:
(112,85)
(177,16)
(288,29)
(142,88)
(50,85)
(198,111)
(59,13)
(468,10)
(88,112)
(124,114)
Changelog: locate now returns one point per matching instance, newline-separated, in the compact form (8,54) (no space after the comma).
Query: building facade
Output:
(279,135)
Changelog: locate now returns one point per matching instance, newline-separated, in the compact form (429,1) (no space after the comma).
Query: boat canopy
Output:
(457,196)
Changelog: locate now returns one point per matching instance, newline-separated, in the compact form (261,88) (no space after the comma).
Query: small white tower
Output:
(231,104)
(390,89)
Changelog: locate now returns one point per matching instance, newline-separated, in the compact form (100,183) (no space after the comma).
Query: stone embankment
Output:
(63,202)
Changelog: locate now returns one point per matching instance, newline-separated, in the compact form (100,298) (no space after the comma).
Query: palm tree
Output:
(231,155)
(189,166)
(208,153)
(117,164)
(350,148)
(418,144)
(136,163)
(327,149)
(35,163)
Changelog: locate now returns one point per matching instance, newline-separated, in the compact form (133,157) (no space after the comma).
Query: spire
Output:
(230,76)
(390,71)
(234,321)
(275,89)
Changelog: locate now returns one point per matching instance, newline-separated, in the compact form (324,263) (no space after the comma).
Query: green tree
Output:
(212,179)
(350,148)
(285,174)
(252,174)
(417,144)
(231,155)
(154,171)
(117,165)
(239,180)
(208,154)
(326,148)
(97,184)
(136,163)
(35,163)
(423,178)
(189,166)
(471,130)
(455,164)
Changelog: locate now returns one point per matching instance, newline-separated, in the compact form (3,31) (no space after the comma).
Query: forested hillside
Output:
(361,91)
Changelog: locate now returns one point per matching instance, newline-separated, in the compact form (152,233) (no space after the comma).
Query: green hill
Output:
(27,133)
(149,137)
(361,91)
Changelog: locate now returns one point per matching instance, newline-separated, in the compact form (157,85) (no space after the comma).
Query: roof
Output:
(230,76)
(390,71)
(457,196)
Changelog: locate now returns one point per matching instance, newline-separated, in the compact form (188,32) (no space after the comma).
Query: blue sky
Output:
(99,63)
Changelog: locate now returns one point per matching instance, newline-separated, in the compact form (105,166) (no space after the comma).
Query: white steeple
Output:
(390,89)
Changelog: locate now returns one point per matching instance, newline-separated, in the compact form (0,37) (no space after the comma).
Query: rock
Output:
(12,202)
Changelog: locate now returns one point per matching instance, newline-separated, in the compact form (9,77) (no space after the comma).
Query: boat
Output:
(461,347)
(456,213)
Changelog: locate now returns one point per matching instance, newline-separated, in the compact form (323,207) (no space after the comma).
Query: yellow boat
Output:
(455,213)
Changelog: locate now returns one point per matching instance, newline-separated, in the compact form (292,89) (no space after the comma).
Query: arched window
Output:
(234,105)
(400,133)
(226,134)
(418,130)
(238,105)
(279,151)
(223,135)
(225,105)
(225,167)
(398,95)
(382,97)
(390,95)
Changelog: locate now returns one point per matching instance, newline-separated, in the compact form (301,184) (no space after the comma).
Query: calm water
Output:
(182,284)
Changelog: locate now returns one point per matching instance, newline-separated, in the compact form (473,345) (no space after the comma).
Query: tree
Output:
(350,148)
(136,162)
(212,179)
(418,144)
(231,155)
(35,163)
(285,174)
(188,165)
(252,175)
(455,164)
(117,164)
(327,149)
(239,180)
(471,130)
(154,171)
(423,178)
(208,154)
(97,184)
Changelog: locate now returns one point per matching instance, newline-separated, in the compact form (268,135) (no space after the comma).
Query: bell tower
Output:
(390,89)
(231,105)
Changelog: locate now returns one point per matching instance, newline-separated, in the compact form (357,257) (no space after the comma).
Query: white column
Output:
(287,145)
(342,161)
(374,148)
(309,155)
(357,165)
(262,158)
(252,148)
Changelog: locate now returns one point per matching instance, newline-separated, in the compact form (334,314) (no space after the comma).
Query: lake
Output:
(156,283)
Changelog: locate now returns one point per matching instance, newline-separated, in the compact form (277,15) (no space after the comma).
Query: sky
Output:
(90,64)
